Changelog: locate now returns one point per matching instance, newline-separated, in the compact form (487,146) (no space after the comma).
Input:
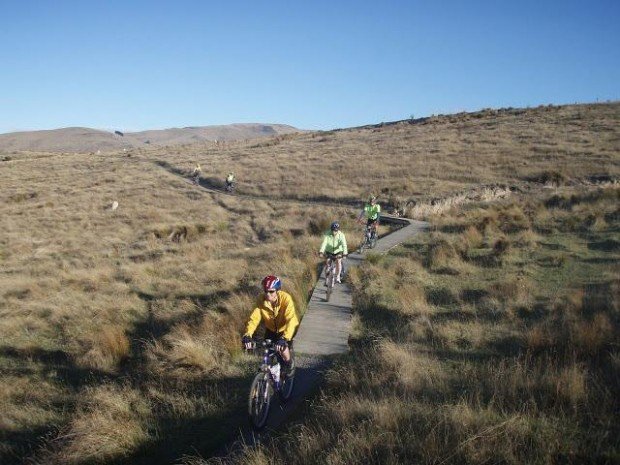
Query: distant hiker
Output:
(230,182)
(196,173)
(276,309)
(371,212)
(334,243)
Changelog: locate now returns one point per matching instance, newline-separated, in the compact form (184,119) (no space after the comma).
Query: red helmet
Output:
(271,282)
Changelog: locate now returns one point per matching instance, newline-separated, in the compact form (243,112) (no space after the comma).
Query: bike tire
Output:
(373,241)
(330,282)
(259,400)
(286,391)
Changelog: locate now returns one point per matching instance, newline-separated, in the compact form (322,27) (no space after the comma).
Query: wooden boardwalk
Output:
(325,327)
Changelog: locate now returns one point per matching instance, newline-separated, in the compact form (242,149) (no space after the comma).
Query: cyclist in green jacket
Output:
(230,180)
(371,212)
(335,243)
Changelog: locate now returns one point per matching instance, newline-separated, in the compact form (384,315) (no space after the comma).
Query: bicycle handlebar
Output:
(334,255)
(266,343)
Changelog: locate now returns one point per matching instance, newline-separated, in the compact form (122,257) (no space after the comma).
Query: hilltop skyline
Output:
(146,66)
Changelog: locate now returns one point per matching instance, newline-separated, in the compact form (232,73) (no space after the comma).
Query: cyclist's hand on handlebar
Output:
(321,254)
(281,344)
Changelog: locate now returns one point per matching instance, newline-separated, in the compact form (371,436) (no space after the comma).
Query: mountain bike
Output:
(369,240)
(330,273)
(270,379)
(229,186)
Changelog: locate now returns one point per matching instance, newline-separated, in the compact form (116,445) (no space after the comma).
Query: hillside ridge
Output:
(82,139)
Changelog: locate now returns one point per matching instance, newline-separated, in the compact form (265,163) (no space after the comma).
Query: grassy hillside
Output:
(94,140)
(119,328)
(493,339)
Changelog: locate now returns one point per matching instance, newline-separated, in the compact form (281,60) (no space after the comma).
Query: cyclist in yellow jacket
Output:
(335,243)
(276,309)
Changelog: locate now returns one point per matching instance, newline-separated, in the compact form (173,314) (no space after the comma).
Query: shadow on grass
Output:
(20,443)
(203,434)
(47,364)
(608,245)
(54,364)
(174,430)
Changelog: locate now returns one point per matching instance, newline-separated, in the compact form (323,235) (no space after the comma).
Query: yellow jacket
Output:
(281,318)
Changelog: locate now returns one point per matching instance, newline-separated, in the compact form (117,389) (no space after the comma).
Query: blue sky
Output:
(134,65)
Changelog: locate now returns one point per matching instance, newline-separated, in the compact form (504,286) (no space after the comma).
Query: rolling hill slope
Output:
(81,140)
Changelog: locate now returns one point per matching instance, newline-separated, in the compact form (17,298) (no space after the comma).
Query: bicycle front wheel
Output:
(330,282)
(259,400)
(287,387)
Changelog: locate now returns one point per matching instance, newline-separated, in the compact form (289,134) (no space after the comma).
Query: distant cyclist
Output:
(230,181)
(371,212)
(276,309)
(335,243)
(196,173)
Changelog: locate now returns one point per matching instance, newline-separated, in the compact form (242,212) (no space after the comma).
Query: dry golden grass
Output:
(426,166)
(514,362)
(109,423)
(120,327)
(156,291)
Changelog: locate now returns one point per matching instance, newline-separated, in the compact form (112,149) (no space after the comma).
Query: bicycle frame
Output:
(271,355)
(271,361)
(330,273)
(267,381)
(370,237)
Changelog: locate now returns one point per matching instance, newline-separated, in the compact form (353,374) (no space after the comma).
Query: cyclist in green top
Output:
(196,174)
(334,243)
(371,213)
(230,181)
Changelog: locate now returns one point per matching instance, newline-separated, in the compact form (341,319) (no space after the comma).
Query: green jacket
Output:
(372,211)
(334,244)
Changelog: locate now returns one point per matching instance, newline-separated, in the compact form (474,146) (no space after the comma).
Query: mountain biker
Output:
(276,309)
(371,213)
(230,179)
(196,173)
(334,243)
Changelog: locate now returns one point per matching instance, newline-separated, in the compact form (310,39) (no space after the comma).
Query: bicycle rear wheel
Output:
(363,243)
(259,400)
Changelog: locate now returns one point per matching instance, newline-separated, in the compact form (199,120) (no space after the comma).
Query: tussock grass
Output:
(515,363)
(108,349)
(109,424)
(120,328)
(152,295)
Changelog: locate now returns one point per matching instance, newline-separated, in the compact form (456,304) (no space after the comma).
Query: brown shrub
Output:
(110,424)
(414,370)
(108,348)
(501,246)
(592,336)
(571,384)
(472,238)
(513,219)
(442,256)
(413,300)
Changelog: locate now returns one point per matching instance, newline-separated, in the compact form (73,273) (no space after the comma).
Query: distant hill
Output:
(90,140)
